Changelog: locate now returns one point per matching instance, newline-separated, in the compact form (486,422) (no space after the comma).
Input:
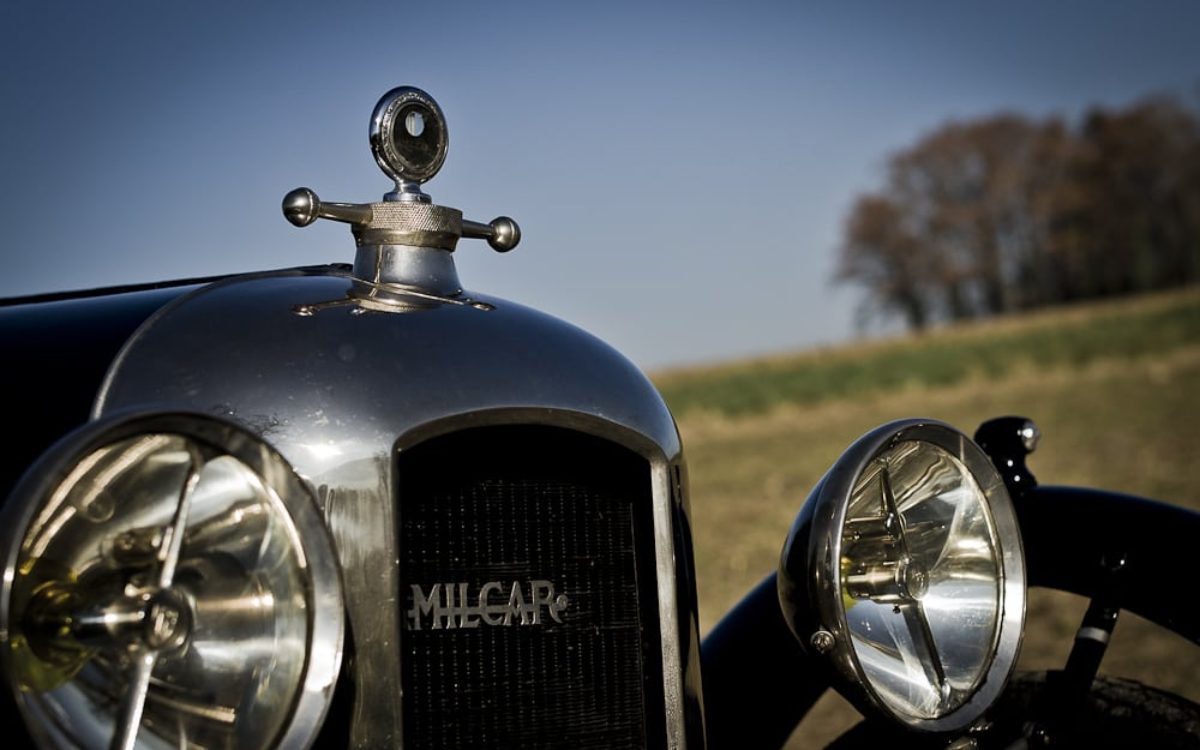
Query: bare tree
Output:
(882,253)
(1004,213)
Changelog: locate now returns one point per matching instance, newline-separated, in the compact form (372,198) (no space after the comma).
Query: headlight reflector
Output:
(907,562)
(168,582)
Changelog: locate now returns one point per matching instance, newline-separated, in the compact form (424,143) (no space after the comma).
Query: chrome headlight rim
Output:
(810,579)
(325,616)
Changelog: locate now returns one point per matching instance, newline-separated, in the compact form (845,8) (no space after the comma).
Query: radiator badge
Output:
(448,606)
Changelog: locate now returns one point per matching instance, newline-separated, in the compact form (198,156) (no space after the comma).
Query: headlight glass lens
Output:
(904,572)
(921,579)
(169,593)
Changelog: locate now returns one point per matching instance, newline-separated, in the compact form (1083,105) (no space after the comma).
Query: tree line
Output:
(1012,213)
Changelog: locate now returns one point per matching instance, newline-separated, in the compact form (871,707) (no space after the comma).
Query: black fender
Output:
(1134,551)
(57,348)
(758,683)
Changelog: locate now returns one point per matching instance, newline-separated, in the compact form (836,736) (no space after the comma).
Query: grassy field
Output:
(1115,389)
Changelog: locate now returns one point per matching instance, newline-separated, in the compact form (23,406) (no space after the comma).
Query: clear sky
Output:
(681,172)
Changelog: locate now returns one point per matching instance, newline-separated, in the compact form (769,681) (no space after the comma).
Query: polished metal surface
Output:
(1030,435)
(920,579)
(420,224)
(302,207)
(502,233)
(425,269)
(336,392)
(409,141)
(146,649)
(450,606)
(908,555)
(822,641)
(238,348)
(364,297)
(668,596)
(168,580)
(409,137)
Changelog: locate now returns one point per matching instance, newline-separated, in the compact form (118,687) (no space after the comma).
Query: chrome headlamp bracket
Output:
(904,573)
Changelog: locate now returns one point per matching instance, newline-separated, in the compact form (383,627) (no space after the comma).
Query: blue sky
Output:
(680,172)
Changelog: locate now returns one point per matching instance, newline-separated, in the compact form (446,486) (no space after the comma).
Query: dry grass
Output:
(1122,424)
(1144,327)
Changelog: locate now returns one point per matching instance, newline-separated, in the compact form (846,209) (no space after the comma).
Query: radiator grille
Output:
(531,508)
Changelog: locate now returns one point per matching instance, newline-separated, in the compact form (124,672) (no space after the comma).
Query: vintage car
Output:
(359,506)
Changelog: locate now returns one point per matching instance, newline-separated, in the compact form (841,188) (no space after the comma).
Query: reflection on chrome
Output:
(161,598)
(921,579)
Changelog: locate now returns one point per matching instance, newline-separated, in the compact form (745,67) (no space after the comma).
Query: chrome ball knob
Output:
(300,206)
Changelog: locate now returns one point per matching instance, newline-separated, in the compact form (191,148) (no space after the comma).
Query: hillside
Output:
(1134,328)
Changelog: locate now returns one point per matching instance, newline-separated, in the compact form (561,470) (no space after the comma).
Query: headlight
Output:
(168,582)
(905,570)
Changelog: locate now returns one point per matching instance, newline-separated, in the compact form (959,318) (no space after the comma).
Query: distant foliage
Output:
(1009,213)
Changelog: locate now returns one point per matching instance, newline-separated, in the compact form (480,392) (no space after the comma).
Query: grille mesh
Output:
(515,506)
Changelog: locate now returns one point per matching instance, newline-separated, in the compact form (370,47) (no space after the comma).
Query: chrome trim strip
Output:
(668,602)
(359,509)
